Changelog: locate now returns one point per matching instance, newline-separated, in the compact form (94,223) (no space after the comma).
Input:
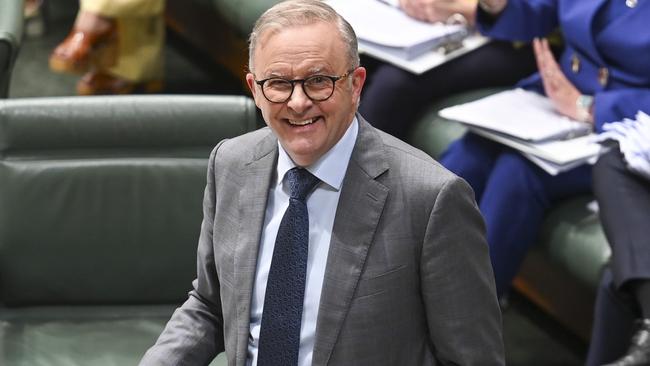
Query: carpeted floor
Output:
(527,343)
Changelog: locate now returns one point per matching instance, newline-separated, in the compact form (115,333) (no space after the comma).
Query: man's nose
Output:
(299,101)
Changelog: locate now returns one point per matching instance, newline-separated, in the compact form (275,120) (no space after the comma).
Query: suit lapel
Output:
(360,206)
(625,23)
(253,196)
(584,13)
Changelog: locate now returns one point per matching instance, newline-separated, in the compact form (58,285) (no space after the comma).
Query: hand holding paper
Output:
(387,33)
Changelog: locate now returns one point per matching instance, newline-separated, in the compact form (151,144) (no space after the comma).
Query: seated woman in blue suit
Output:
(603,75)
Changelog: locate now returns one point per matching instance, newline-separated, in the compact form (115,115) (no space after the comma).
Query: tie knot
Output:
(301,182)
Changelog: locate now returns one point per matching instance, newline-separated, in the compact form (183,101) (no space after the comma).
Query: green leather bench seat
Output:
(11,30)
(561,272)
(81,335)
(65,335)
(100,212)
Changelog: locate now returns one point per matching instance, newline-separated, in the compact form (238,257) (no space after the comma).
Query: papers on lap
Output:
(387,33)
(518,113)
(528,122)
(553,156)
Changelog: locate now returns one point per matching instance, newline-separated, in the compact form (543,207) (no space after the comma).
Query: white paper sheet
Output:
(386,31)
(555,156)
(523,114)
(555,169)
(377,22)
(428,60)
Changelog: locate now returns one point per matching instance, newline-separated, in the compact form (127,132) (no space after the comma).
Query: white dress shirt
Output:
(321,206)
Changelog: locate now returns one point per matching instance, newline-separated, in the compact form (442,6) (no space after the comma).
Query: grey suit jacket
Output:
(408,278)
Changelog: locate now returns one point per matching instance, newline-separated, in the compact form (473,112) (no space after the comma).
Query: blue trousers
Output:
(513,194)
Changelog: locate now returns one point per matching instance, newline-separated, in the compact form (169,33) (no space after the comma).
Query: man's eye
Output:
(278,84)
(318,81)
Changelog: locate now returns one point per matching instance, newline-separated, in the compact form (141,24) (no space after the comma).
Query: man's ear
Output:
(250,81)
(358,80)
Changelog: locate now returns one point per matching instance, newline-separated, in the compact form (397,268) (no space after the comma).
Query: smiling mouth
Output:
(302,122)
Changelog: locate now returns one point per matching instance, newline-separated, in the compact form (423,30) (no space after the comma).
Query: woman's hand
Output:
(439,10)
(557,87)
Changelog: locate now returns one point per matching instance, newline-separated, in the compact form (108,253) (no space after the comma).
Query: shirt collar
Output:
(331,167)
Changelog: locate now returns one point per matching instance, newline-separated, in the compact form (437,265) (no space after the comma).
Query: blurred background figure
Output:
(621,329)
(117,45)
(394,98)
(35,17)
(32,7)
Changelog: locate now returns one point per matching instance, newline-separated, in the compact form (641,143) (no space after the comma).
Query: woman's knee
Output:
(517,178)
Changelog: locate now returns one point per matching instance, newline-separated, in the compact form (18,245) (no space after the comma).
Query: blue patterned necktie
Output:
(285,289)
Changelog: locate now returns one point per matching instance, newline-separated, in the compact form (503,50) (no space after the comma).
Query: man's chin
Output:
(303,153)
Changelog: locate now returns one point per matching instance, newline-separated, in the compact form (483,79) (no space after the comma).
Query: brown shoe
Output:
(101,83)
(82,49)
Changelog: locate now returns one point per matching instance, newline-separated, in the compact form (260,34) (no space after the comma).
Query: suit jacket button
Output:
(603,76)
(631,3)
(575,64)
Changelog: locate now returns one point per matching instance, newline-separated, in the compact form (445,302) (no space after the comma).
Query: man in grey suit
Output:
(325,241)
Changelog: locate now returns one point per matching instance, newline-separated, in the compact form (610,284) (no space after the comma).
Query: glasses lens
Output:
(277,89)
(319,87)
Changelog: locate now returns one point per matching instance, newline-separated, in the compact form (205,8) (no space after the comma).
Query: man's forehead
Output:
(277,28)
(293,51)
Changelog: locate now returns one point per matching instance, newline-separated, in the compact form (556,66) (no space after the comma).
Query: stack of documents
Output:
(387,33)
(528,122)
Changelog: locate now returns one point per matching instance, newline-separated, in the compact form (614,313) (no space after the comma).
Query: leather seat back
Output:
(100,197)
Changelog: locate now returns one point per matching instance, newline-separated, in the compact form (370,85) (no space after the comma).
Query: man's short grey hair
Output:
(298,13)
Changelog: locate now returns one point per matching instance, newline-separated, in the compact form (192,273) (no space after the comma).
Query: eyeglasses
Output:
(317,87)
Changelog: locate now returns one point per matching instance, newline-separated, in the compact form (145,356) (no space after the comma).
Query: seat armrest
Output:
(11,32)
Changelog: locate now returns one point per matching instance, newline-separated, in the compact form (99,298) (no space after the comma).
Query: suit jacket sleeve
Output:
(463,314)
(521,20)
(615,105)
(194,334)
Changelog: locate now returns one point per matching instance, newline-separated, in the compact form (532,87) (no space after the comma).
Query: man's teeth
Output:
(301,123)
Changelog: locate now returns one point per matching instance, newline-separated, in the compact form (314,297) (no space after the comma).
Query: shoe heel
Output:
(60,65)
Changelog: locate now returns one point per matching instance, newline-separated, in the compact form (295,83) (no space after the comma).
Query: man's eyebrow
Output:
(274,74)
(316,70)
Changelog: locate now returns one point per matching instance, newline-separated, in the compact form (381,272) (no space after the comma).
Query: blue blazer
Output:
(609,61)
